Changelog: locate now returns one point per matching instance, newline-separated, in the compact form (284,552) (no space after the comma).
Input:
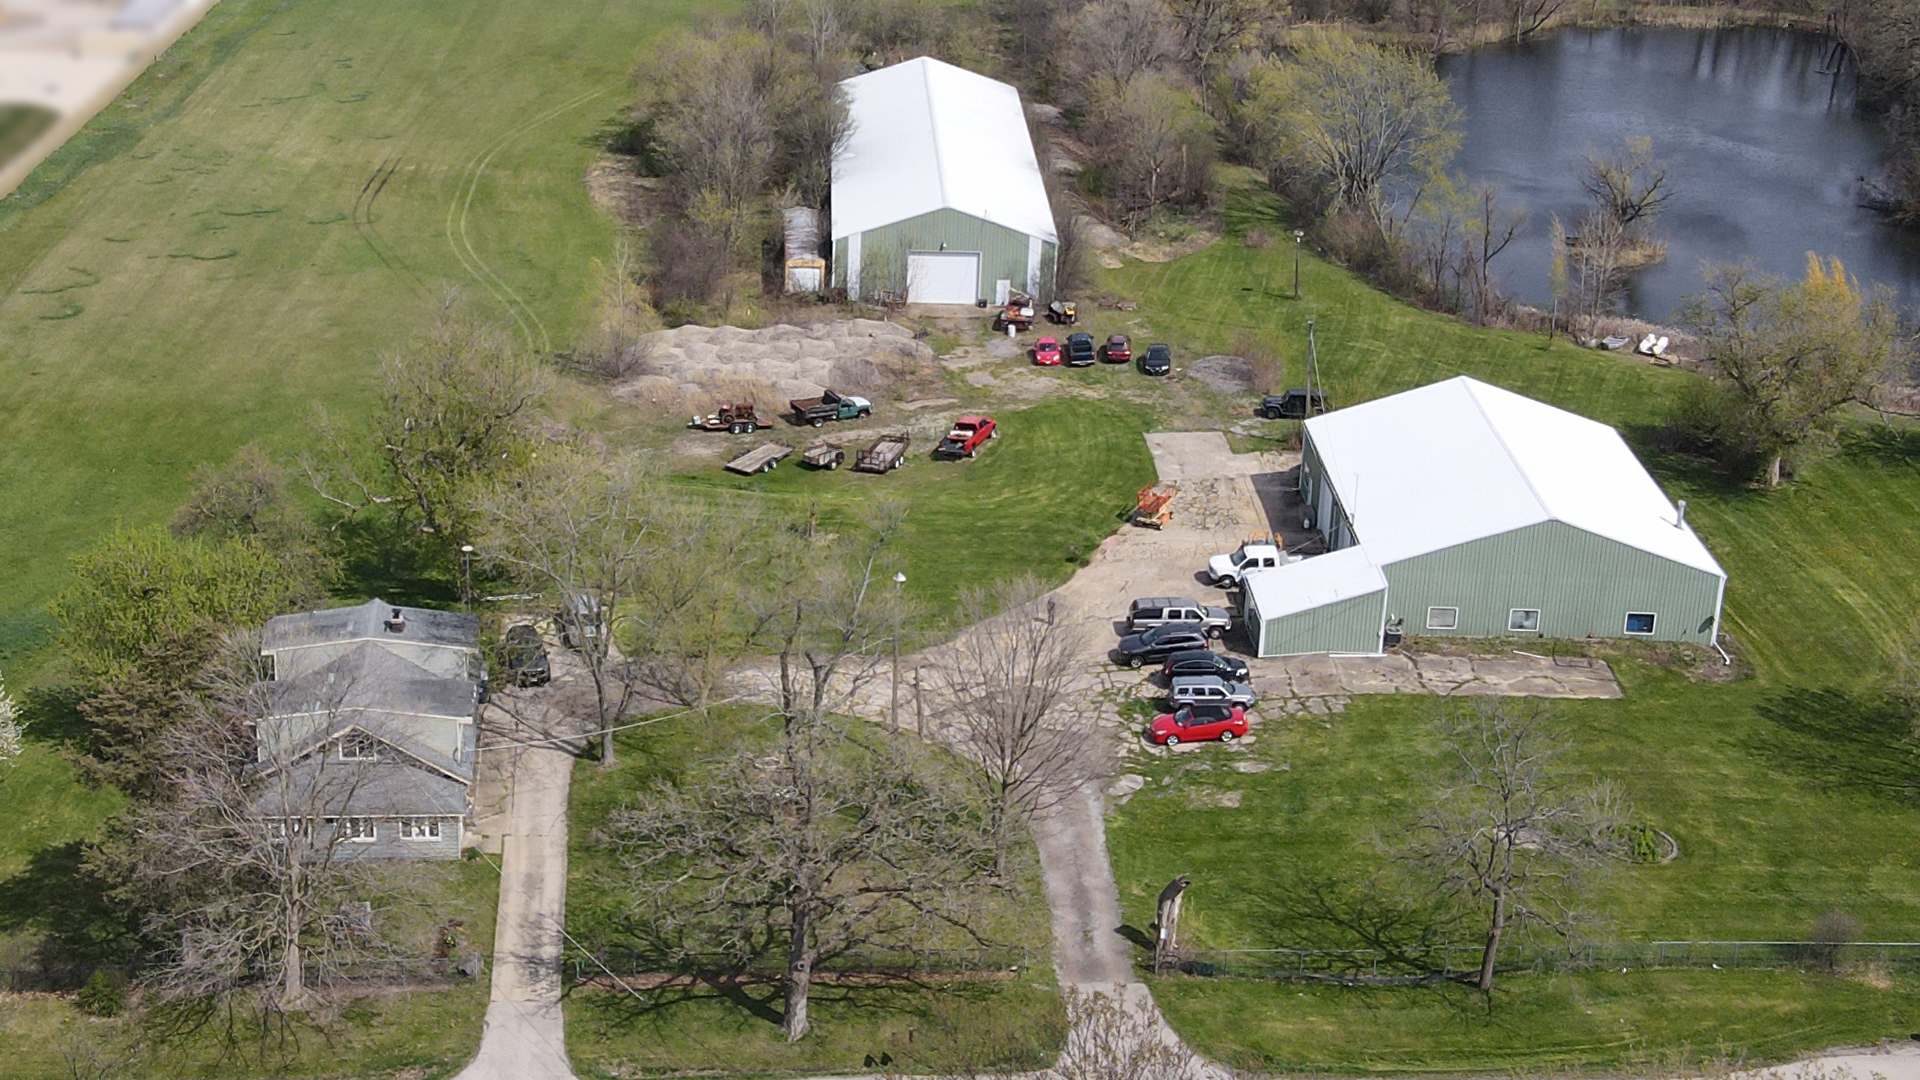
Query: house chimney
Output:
(1681,521)
(397,624)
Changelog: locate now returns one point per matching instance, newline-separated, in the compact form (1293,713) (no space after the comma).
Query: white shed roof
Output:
(1314,583)
(1460,460)
(928,136)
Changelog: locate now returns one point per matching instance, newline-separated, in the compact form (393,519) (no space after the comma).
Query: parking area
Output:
(1224,498)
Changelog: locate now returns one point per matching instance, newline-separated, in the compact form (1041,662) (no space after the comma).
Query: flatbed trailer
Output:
(759,459)
(886,454)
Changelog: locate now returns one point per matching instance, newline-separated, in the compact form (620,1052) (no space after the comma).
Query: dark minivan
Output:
(1080,350)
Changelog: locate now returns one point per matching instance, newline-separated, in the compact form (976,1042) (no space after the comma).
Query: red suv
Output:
(1197,723)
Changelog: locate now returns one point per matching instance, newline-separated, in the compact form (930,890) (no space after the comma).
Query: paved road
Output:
(525,1036)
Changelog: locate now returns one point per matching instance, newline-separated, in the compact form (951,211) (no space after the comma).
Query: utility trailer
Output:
(739,419)
(760,459)
(886,454)
(823,455)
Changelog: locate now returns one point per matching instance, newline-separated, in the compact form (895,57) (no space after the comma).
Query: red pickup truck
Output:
(968,435)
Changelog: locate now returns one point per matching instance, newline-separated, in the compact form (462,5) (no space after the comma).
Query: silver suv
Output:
(1210,690)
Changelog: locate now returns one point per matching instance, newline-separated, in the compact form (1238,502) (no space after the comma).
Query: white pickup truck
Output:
(1232,568)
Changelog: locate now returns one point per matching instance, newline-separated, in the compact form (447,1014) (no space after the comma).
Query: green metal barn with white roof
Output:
(1464,509)
(937,194)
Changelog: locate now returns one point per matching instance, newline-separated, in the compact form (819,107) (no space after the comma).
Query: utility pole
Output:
(466,577)
(1298,236)
(893,708)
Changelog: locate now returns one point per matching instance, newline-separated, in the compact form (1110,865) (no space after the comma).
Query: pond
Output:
(1763,144)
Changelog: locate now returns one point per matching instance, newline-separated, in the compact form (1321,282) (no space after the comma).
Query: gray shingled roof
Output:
(392,786)
(369,622)
(370,677)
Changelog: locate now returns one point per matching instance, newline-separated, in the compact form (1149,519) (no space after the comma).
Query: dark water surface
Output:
(1765,150)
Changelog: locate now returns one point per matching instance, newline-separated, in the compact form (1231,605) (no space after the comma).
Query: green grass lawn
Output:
(1004,1020)
(290,190)
(1671,1021)
(1041,497)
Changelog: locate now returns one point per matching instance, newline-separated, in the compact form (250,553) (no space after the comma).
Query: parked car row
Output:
(1080,351)
(1208,692)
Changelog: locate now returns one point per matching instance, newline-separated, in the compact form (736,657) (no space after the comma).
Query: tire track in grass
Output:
(460,208)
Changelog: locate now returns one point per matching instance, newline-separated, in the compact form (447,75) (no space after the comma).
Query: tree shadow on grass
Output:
(1661,448)
(1883,445)
(82,927)
(1843,741)
(52,715)
(383,557)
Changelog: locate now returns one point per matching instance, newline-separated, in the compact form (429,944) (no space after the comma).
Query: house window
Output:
(1524,620)
(1640,622)
(420,828)
(355,830)
(282,828)
(357,747)
(1443,618)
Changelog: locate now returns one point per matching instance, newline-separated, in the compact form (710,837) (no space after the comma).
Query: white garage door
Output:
(946,277)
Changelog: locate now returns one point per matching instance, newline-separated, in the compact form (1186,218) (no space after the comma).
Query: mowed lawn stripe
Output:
(232,294)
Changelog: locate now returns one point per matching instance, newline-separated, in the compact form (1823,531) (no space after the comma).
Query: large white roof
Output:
(1461,460)
(1314,583)
(927,136)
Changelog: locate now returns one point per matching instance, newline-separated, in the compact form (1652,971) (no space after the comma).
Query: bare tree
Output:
(1596,264)
(1213,30)
(244,865)
(1353,118)
(1527,17)
(1493,229)
(1119,40)
(829,839)
(610,548)
(1509,831)
(455,406)
(1627,184)
(1156,143)
(1787,358)
(1013,693)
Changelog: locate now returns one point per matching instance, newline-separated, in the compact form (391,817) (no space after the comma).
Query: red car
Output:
(1119,349)
(1046,352)
(1197,723)
(969,433)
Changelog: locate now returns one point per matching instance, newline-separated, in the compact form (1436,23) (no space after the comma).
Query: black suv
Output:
(526,656)
(1157,360)
(1160,642)
(1080,350)
(1296,404)
(1206,662)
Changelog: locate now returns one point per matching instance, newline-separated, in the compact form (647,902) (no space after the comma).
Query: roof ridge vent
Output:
(397,622)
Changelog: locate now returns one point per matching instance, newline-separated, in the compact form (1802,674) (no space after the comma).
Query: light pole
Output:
(1298,236)
(893,708)
(466,576)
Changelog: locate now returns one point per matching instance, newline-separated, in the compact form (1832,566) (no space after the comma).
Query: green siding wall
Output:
(1349,626)
(1003,253)
(1582,584)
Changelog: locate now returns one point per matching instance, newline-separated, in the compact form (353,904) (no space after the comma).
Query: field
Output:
(1000,1019)
(289,191)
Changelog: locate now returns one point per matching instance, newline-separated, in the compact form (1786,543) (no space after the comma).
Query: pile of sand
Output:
(699,366)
